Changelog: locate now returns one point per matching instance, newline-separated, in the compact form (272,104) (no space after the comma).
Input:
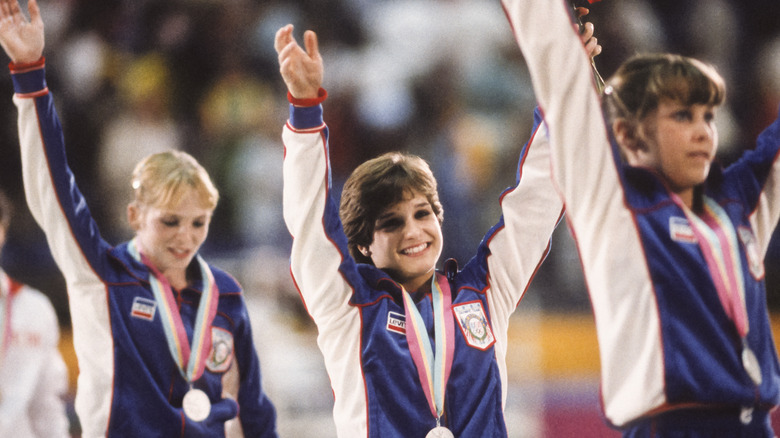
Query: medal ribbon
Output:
(718,242)
(433,370)
(190,358)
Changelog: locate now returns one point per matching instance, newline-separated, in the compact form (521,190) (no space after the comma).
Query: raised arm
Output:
(531,210)
(321,266)
(564,86)
(21,39)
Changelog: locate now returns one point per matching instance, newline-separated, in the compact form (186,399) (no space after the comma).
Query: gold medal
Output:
(196,405)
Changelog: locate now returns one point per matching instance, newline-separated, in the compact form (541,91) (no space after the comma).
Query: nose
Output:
(187,232)
(412,229)
(704,130)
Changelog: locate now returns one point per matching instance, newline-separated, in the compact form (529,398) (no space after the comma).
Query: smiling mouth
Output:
(180,253)
(415,249)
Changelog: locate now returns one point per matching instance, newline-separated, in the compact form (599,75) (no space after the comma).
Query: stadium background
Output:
(440,78)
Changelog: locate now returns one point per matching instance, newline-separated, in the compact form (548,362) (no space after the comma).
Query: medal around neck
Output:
(750,362)
(440,432)
(432,369)
(196,405)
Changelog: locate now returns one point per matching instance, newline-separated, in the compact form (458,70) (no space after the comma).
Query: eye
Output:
(423,213)
(388,224)
(200,223)
(709,116)
(682,115)
(170,222)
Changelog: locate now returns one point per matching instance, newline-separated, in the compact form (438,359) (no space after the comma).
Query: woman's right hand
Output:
(22,40)
(301,70)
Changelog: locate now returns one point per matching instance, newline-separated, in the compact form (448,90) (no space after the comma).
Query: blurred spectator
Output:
(33,377)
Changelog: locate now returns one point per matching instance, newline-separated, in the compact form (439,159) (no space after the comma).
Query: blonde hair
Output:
(378,184)
(161,179)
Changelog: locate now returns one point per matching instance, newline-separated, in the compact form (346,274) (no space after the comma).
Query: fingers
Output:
(587,32)
(35,12)
(283,37)
(593,48)
(15,10)
(591,43)
(5,9)
(312,44)
(10,11)
(581,12)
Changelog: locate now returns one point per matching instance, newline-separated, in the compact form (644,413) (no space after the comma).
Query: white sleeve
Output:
(318,251)
(604,228)
(530,210)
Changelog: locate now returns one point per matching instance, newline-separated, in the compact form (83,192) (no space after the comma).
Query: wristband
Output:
(321,96)
(24,67)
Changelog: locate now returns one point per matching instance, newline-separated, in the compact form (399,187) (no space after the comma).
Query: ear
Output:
(628,139)
(364,250)
(134,215)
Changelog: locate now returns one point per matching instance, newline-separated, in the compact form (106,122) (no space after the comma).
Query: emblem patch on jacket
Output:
(221,350)
(752,252)
(396,322)
(473,324)
(680,230)
(143,308)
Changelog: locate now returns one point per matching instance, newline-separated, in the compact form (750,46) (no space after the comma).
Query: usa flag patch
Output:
(680,230)
(143,308)
(396,322)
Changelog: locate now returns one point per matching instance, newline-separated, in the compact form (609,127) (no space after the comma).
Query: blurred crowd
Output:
(440,78)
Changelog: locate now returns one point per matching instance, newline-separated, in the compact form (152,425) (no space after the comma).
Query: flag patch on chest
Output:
(396,322)
(473,324)
(680,230)
(143,308)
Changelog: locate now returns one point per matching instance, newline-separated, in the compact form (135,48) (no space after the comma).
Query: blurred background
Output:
(440,78)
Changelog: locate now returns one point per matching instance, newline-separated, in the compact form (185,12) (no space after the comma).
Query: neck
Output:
(418,285)
(177,279)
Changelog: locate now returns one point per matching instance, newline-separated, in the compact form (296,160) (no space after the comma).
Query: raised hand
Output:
(301,70)
(22,40)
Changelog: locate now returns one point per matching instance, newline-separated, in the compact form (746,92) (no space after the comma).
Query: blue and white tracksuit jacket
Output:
(665,340)
(357,307)
(128,384)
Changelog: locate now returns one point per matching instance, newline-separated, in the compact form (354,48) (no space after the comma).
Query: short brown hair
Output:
(378,184)
(637,87)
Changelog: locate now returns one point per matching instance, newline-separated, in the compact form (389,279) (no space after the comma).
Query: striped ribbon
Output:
(718,241)
(190,358)
(433,370)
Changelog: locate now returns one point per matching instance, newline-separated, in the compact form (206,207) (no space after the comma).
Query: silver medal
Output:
(196,405)
(440,432)
(750,362)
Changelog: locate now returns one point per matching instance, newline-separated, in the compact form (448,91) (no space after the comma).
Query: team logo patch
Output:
(751,251)
(221,350)
(473,324)
(143,308)
(680,230)
(396,322)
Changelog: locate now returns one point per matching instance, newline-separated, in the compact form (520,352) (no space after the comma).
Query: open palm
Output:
(21,39)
